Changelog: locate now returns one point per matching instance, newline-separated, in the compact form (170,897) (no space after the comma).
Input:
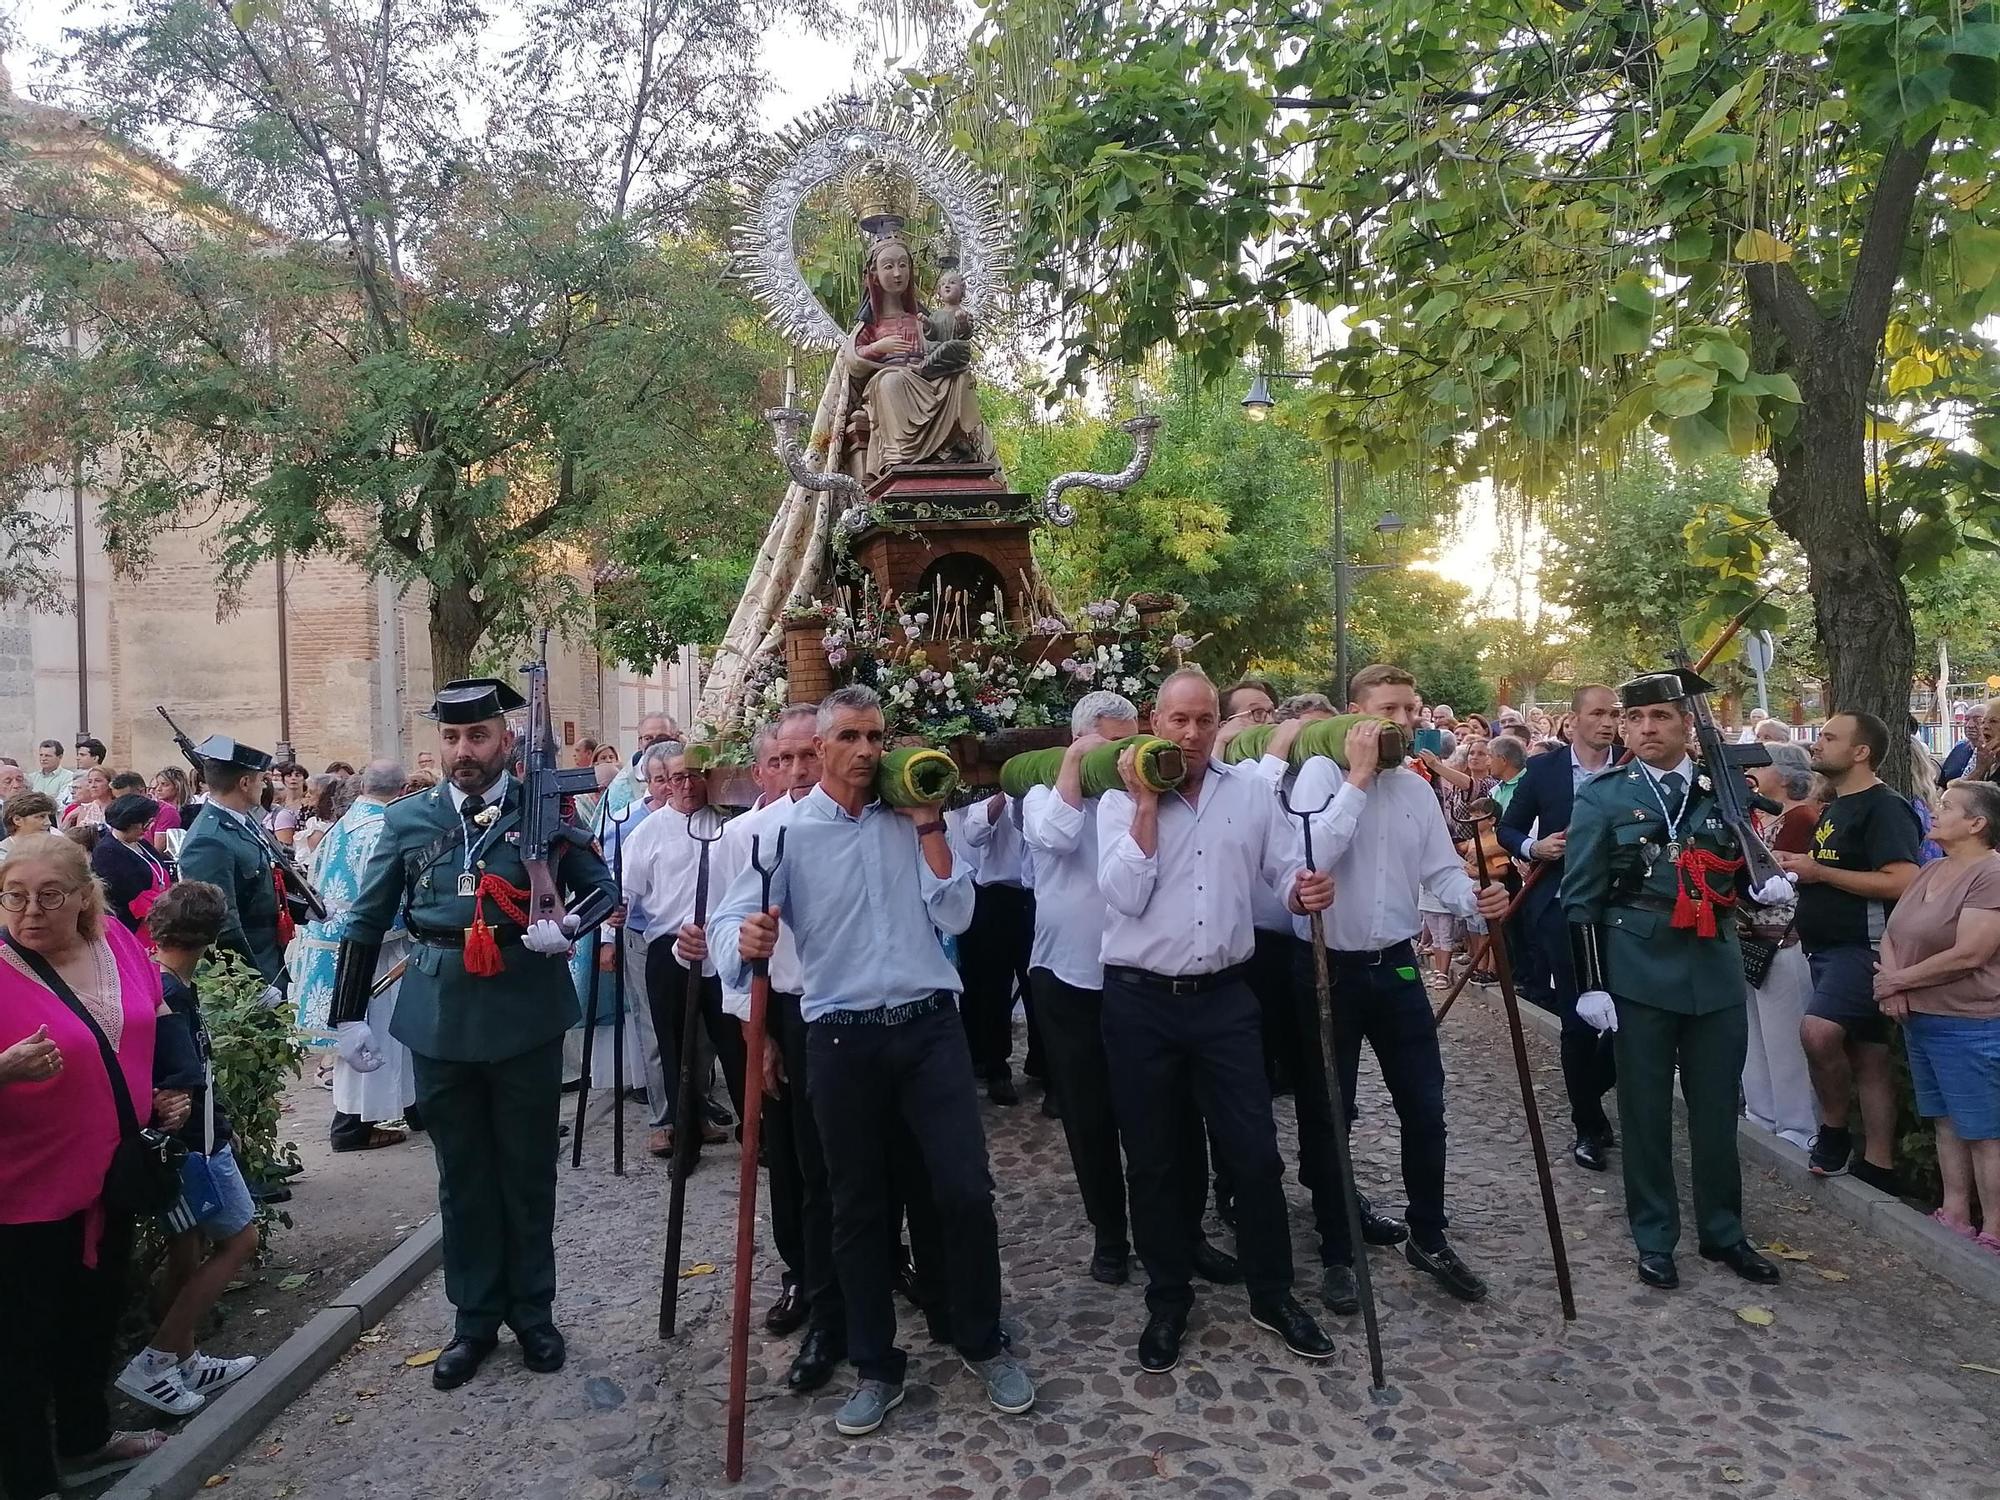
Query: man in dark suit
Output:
(1534,827)
(483,1008)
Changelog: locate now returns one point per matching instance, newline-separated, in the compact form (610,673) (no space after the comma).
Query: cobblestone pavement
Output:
(1863,1384)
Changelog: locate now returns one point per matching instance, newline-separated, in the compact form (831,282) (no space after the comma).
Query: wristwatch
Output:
(936,825)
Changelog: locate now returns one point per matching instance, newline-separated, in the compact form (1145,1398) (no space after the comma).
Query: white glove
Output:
(545,936)
(570,923)
(272,997)
(355,1042)
(1596,1007)
(1776,891)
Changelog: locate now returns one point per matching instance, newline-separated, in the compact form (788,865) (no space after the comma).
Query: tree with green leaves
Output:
(437,309)
(1546,225)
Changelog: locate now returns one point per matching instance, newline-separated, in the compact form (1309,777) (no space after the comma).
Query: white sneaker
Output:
(205,1376)
(159,1386)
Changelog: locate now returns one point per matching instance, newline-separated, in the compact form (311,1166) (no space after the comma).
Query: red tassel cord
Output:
(482,948)
(1695,900)
(286,927)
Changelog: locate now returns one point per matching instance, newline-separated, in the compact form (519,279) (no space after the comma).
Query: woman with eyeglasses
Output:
(63,1256)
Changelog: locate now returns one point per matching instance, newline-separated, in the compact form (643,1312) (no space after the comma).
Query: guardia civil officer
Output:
(486,1047)
(225,848)
(1651,877)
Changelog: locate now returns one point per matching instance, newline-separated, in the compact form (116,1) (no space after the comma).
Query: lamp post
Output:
(1257,407)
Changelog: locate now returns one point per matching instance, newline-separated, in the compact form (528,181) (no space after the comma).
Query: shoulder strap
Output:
(128,1119)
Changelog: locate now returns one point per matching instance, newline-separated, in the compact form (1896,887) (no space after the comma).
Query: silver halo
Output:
(821,146)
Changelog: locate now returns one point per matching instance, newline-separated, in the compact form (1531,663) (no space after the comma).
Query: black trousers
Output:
(1073,1039)
(57,1321)
(801,1202)
(1588,1061)
(1164,1048)
(666,995)
(493,1126)
(861,1080)
(993,963)
(1375,1002)
(1272,982)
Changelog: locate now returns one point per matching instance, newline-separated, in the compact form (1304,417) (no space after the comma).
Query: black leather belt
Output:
(1644,903)
(1177,984)
(1370,958)
(885,1015)
(446,937)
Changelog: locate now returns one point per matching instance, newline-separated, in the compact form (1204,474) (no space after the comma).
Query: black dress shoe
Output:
(788,1312)
(1295,1326)
(1218,1266)
(1160,1344)
(1000,1089)
(820,1354)
(1744,1261)
(1342,1293)
(1589,1153)
(1656,1268)
(1050,1109)
(460,1362)
(1225,1207)
(1108,1264)
(1444,1267)
(542,1349)
(1379,1230)
(904,1277)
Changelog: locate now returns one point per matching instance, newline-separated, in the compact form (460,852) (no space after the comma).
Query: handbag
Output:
(145,1172)
(1757,958)
(199,1195)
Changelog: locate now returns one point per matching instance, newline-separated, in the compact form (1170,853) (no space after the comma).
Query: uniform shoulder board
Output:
(398,801)
(1610,771)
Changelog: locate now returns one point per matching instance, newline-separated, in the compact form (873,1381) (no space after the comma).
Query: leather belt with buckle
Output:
(1177,984)
(884,1015)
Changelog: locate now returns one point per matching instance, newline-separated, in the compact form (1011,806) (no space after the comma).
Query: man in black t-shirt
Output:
(1864,855)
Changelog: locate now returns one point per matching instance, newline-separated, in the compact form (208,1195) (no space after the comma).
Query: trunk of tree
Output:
(457,622)
(1821,501)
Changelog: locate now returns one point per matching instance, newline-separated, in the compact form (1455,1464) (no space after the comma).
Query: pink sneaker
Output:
(1963,1231)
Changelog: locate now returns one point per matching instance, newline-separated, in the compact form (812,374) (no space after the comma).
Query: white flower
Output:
(913,631)
(1182,643)
(986,618)
(1007,707)
(1129,685)
(922,619)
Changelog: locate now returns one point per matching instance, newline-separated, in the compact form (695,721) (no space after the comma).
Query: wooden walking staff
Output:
(687,1124)
(1343,1158)
(746,1181)
(1485,811)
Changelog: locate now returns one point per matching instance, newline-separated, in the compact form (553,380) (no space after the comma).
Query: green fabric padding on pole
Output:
(1326,737)
(1160,766)
(916,776)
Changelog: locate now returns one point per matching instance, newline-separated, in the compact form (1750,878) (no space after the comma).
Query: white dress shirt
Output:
(662,866)
(1381,846)
(1069,909)
(1002,855)
(494,796)
(1186,909)
(732,858)
(1267,904)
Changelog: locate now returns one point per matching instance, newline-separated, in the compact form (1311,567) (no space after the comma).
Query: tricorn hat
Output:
(473,700)
(1653,687)
(221,750)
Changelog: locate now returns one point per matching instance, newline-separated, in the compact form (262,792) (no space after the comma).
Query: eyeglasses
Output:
(49,898)
(684,778)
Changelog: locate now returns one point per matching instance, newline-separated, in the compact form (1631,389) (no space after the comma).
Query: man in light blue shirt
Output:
(865,890)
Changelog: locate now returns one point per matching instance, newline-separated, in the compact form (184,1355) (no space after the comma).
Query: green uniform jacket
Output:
(441,1011)
(222,850)
(1616,874)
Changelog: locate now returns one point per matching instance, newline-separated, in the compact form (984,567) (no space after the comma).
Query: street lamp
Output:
(1256,408)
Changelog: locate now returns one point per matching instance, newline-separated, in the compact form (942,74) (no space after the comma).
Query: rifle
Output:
(302,902)
(544,784)
(1726,764)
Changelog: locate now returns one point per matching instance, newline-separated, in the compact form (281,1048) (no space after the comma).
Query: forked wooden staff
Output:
(687,1114)
(1485,811)
(1343,1158)
(746,1181)
(1496,933)
(618,1031)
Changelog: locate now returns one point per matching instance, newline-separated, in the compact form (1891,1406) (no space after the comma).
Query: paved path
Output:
(1858,1387)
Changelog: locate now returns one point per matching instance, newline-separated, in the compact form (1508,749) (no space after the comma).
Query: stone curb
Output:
(222,1427)
(1935,1248)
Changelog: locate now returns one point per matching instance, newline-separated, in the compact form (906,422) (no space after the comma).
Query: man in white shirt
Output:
(1382,837)
(1176,870)
(51,777)
(662,866)
(801,1201)
(1060,828)
(993,953)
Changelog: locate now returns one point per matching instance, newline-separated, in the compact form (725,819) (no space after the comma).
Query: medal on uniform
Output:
(468,884)
(1674,852)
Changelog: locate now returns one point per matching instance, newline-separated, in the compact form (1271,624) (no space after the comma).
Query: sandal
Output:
(1989,1242)
(377,1139)
(122,1451)
(1963,1231)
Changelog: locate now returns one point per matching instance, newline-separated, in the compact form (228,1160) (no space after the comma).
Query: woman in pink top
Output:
(62,1264)
(1940,977)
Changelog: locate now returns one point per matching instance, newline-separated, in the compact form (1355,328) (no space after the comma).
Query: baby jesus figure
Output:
(947,326)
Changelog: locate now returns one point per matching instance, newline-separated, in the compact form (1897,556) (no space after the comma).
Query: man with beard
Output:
(486,1047)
